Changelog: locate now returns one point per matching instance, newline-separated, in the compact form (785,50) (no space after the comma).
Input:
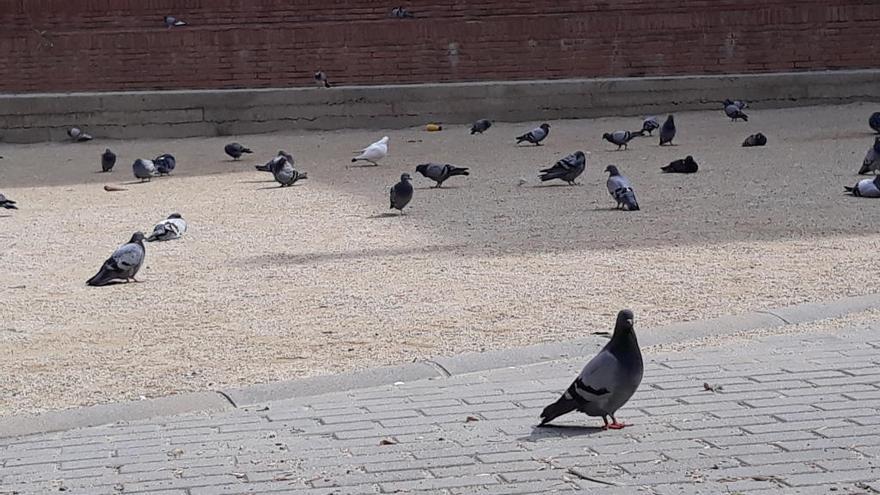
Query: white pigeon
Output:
(374,152)
(171,228)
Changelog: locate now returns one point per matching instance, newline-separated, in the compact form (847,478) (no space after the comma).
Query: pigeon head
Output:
(422,168)
(670,120)
(405,177)
(74,132)
(606,136)
(544,126)
(727,102)
(286,155)
(137,238)
(319,75)
(579,154)
(174,215)
(384,140)
(689,159)
(612,169)
(107,151)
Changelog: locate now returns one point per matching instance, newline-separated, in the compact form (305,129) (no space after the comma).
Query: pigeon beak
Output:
(629,321)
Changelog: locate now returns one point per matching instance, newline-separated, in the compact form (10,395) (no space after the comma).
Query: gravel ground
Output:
(274,284)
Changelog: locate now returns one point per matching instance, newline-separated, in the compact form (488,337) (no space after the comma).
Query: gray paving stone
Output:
(439,483)
(831,477)
(480,468)
(774,437)
(528,488)
(370,478)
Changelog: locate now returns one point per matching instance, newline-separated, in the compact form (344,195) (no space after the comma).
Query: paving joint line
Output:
(442,369)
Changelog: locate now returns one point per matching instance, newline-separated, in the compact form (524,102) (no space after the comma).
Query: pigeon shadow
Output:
(255,181)
(135,182)
(384,215)
(430,188)
(101,172)
(555,184)
(309,258)
(276,187)
(560,431)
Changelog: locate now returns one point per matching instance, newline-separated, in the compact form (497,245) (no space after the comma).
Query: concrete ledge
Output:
(170,114)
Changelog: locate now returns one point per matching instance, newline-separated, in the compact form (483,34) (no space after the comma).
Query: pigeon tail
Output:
(851,190)
(246,150)
(558,408)
(866,167)
(9,206)
(159,231)
(458,171)
(103,277)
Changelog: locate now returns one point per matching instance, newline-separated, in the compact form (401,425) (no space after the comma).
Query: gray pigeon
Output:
(171,21)
(682,166)
(235,150)
(108,159)
(741,104)
(123,264)
(735,113)
(649,125)
(608,381)
(874,122)
(756,139)
(7,203)
(567,169)
(667,131)
(481,126)
(871,163)
(401,193)
(77,135)
(535,136)
(621,190)
(620,138)
(143,169)
(165,164)
(284,173)
(171,228)
(865,188)
(268,166)
(439,173)
(321,79)
(401,13)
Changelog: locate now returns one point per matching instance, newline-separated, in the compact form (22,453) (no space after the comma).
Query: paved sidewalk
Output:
(794,414)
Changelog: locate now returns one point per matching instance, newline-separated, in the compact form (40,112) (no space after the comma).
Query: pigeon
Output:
(7,203)
(439,173)
(685,166)
(77,135)
(621,190)
(108,159)
(735,113)
(608,381)
(667,131)
(401,13)
(235,150)
(865,188)
(401,193)
(165,164)
(171,228)
(741,104)
(567,169)
(374,152)
(872,159)
(123,264)
(143,169)
(620,138)
(321,79)
(874,122)
(536,135)
(649,125)
(756,139)
(271,163)
(480,126)
(285,174)
(171,21)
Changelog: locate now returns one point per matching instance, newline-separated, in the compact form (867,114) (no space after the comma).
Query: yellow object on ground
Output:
(433,127)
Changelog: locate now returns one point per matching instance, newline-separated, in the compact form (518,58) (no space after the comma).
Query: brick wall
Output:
(73,45)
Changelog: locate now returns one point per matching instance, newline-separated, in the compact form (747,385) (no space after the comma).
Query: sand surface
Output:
(272,284)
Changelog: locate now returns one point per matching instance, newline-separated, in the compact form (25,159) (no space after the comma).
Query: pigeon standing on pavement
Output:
(871,163)
(567,169)
(7,203)
(481,126)
(756,139)
(608,380)
(284,173)
(865,188)
(171,228)
(735,113)
(649,125)
(123,264)
(741,104)
(77,135)
(235,150)
(621,189)
(620,138)
(439,173)
(108,159)
(401,193)
(171,21)
(667,131)
(165,164)
(536,135)
(143,169)
(374,152)
(683,166)
(874,122)
(321,79)
(270,165)
(401,13)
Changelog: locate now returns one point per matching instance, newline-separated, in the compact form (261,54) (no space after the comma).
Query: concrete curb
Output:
(441,367)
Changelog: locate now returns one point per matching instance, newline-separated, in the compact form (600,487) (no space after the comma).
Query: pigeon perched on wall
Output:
(171,228)
(270,165)
(567,169)
(108,159)
(649,125)
(741,104)
(439,173)
(682,166)
(865,188)
(481,126)
(165,164)
(667,131)
(756,139)
(874,122)
(7,203)
(321,79)
(171,21)
(143,169)
(536,135)
(608,380)
(620,138)
(374,152)
(401,193)
(735,113)
(235,150)
(401,13)
(123,264)
(871,163)
(284,173)
(621,189)
(77,135)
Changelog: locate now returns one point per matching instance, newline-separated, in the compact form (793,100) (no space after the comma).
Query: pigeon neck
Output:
(622,343)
